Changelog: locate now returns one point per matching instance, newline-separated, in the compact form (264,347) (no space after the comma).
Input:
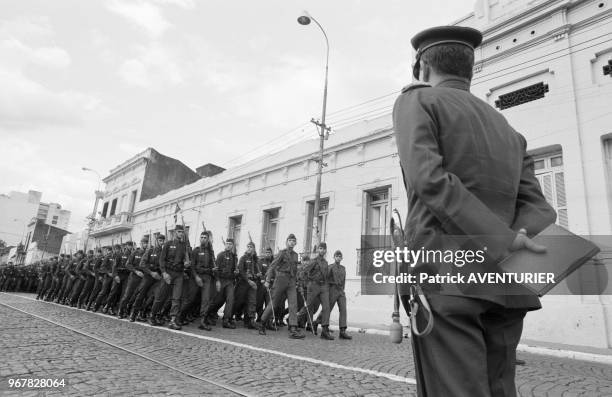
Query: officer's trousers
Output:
(87,288)
(471,350)
(284,285)
(105,287)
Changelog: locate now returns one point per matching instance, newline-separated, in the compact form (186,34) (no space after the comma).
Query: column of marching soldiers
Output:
(168,282)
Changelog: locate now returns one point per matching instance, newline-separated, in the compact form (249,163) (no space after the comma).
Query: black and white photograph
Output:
(306,198)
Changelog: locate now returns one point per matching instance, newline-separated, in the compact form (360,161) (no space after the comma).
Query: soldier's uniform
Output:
(106,272)
(262,294)
(203,265)
(149,265)
(246,287)
(284,267)
(316,273)
(225,274)
(133,281)
(89,275)
(69,278)
(80,278)
(172,261)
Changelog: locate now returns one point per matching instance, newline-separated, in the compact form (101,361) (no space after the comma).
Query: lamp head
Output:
(304,19)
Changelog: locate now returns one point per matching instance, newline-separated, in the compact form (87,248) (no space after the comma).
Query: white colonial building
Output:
(546,65)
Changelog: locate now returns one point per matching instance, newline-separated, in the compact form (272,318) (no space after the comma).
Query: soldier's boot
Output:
(141,317)
(228,324)
(261,328)
(181,319)
(133,316)
(189,318)
(269,324)
(204,324)
(153,320)
(111,311)
(249,322)
(105,309)
(295,333)
(325,333)
(344,335)
(174,324)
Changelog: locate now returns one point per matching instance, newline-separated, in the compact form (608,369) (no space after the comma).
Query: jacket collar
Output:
(455,82)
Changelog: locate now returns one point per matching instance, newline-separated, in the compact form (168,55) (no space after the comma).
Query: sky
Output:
(92,83)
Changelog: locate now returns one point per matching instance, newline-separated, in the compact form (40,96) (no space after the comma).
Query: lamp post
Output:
(323,129)
(99,195)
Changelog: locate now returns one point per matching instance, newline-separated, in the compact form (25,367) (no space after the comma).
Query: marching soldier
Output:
(80,278)
(106,272)
(316,273)
(173,260)
(70,277)
(247,271)
(135,276)
(285,268)
(203,267)
(120,275)
(262,293)
(225,275)
(46,280)
(149,265)
(89,274)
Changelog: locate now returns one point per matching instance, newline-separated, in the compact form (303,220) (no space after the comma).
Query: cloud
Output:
(25,102)
(31,27)
(14,51)
(154,68)
(145,15)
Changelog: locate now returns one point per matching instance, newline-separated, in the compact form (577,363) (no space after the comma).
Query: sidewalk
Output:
(584,353)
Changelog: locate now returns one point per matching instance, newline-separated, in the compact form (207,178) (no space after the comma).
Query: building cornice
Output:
(379,134)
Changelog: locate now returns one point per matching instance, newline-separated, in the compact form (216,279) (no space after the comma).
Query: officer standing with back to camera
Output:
(467,173)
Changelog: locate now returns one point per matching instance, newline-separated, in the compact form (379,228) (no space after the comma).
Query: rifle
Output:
(397,235)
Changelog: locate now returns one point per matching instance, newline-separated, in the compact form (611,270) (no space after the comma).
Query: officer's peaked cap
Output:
(291,237)
(446,35)
(441,35)
(161,237)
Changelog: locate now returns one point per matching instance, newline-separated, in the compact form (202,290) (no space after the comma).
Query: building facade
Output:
(53,214)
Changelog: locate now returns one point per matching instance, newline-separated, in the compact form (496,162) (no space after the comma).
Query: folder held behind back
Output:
(565,253)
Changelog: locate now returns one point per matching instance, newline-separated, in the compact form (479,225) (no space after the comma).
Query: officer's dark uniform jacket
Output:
(317,270)
(150,259)
(247,266)
(72,267)
(467,173)
(173,256)
(286,262)
(203,260)
(133,262)
(226,265)
(82,269)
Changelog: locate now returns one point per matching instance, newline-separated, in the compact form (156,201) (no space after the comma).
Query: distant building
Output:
(17,210)
(42,241)
(53,214)
(147,175)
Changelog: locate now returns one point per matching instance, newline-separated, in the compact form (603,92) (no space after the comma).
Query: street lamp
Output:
(323,130)
(95,172)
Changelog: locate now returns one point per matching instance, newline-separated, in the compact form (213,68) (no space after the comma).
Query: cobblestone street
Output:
(252,364)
